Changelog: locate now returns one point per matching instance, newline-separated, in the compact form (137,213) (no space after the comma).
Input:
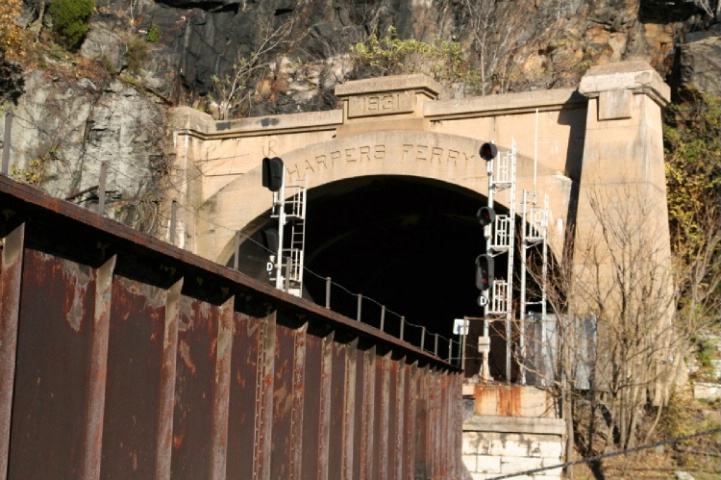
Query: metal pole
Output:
(383,317)
(463,346)
(511,253)
(450,350)
(236,250)
(488,234)
(6,142)
(173,214)
(423,338)
(435,346)
(360,301)
(327,292)
(524,272)
(280,197)
(101,188)
(403,325)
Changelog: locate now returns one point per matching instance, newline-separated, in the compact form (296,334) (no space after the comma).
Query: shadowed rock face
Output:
(550,45)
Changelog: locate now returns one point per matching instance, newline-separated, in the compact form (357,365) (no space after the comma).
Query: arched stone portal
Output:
(395,143)
(244,204)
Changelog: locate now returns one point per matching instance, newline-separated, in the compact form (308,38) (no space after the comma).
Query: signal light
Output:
(270,240)
(484,271)
(488,151)
(273,173)
(486,215)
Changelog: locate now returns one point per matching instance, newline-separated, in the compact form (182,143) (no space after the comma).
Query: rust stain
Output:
(184,350)
(178,439)
(78,277)
(509,400)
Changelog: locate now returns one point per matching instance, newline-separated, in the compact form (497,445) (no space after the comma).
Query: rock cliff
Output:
(108,102)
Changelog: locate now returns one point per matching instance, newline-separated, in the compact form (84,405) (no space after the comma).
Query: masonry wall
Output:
(494,446)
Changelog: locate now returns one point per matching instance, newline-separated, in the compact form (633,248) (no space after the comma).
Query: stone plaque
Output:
(381,104)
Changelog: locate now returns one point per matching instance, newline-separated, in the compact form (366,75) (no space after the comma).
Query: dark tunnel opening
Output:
(405,243)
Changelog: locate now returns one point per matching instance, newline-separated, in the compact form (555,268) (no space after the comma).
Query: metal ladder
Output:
(535,232)
(294,253)
(504,230)
(502,241)
(290,212)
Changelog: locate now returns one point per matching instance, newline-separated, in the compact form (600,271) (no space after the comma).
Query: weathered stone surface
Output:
(102,44)
(64,129)
(700,61)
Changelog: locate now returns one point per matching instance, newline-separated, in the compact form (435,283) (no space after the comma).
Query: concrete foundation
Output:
(496,445)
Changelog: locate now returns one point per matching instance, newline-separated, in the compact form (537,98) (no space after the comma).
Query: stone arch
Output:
(447,158)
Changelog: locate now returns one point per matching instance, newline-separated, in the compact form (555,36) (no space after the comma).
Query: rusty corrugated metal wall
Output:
(122,357)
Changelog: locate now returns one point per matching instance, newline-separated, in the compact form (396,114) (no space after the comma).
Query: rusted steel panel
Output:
(434,414)
(98,372)
(456,405)
(195,389)
(280,465)
(166,400)
(135,353)
(411,426)
(298,394)
(336,431)
(325,407)
(383,419)
(221,391)
(392,424)
(311,410)
(359,415)
(421,456)
(349,412)
(444,426)
(241,431)
(159,364)
(265,375)
(369,394)
(52,387)
(398,438)
(11,264)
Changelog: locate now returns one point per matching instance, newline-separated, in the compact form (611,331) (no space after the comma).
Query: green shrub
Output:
(153,34)
(446,62)
(70,20)
(137,55)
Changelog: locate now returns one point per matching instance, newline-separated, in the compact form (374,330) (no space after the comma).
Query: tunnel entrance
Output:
(406,244)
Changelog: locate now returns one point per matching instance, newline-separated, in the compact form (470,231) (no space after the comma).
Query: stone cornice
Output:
(414,82)
(507,104)
(637,76)
(200,125)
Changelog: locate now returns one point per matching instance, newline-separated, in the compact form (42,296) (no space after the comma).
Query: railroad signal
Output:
(484,271)
(488,151)
(486,215)
(270,240)
(273,173)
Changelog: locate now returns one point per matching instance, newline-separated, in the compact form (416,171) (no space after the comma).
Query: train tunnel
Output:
(405,244)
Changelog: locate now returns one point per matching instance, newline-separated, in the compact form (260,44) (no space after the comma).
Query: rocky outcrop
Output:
(533,45)
(64,128)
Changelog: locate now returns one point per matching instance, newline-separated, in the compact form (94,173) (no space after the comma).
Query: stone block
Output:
(551,448)
(488,464)
(511,464)
(470,461)
(470,443)
(615,104)
(508,445)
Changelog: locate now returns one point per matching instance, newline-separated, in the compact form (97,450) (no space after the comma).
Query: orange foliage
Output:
(11,34)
